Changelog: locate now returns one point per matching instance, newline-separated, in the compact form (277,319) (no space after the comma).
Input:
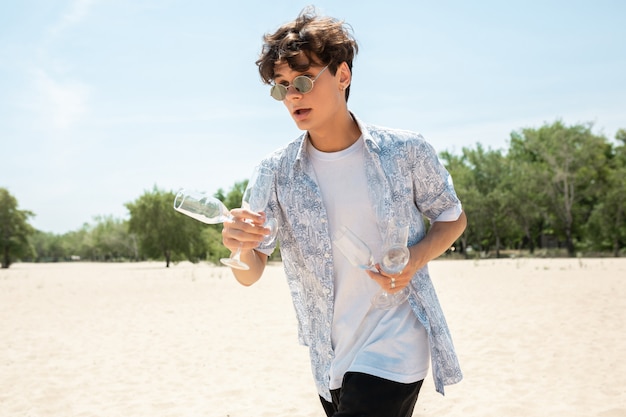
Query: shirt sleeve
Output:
(450,215)
(434,190)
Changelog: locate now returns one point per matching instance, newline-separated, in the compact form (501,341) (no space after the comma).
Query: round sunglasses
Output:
(301,83)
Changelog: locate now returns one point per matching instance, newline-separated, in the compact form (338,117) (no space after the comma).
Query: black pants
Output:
(363,395)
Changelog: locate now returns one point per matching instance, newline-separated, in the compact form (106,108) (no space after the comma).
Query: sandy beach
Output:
(536,337)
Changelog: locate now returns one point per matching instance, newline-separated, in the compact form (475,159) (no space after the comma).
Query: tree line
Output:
(154,231)
(559,189)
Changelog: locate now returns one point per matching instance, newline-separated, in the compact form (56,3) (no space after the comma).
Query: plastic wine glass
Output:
(360,255)
(395,257)
(201,206)
(260,196)
(354,249)
(206,209)
(255,198)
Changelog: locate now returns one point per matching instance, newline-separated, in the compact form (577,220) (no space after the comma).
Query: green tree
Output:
(569,161)
(49,247)
(466,191)
(233,198)
(523,190)
(215,249)
(163,232)
(81,243)
(112,240)
(14,230)
(606,228)
(479,186)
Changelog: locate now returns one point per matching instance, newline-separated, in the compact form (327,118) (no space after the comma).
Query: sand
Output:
(536,337)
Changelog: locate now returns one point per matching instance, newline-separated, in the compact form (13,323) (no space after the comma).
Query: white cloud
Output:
(76,13)
(58,104)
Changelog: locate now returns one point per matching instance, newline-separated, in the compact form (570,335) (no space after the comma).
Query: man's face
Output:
(313,108)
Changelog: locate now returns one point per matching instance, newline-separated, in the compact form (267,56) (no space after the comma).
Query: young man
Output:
(365,361)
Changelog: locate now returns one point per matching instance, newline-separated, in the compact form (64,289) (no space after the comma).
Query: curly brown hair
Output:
(317,38)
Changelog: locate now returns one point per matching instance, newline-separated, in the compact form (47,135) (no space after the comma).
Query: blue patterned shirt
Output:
(407,179)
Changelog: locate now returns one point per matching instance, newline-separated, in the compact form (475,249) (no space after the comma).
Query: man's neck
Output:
(336,136)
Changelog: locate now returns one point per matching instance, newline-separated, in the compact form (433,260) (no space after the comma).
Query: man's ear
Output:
(345,75)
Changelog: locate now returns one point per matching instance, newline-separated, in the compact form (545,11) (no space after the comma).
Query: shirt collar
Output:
(370,142)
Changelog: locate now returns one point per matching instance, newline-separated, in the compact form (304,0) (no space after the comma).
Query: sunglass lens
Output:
(302,84)
(278,91)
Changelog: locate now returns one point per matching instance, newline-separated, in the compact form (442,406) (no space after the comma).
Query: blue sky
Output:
(102,100)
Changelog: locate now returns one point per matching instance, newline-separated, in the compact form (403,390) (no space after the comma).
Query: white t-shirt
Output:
(390,344)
